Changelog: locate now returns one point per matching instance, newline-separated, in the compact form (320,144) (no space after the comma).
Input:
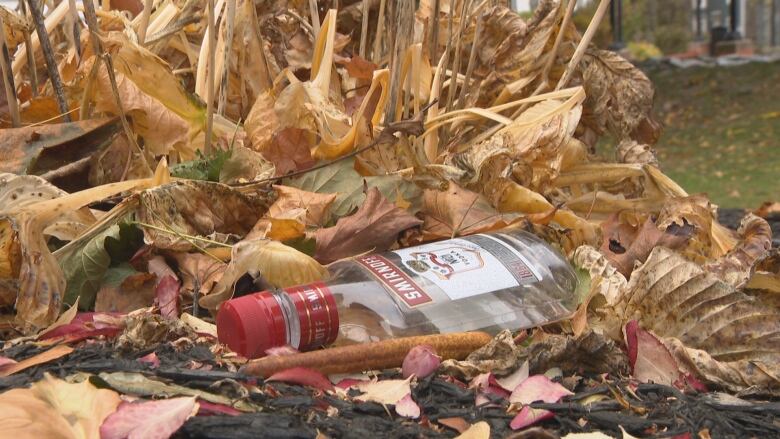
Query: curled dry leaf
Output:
(375,226)
(631,151)
(620,96)
(736,267)
(196,208)
(54,408)
(725,336)
(280,265)
(501,356)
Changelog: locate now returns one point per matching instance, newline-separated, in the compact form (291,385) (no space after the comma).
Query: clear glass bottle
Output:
(509,279)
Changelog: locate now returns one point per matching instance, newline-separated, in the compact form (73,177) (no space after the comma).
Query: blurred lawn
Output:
(721,131)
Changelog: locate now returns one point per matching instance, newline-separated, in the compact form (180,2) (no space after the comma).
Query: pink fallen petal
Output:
(538,388)
(149,419)
(487,389)
(420,361)
(652,360)
(346,383)
(281,350)
(695,384)
(407,408)
(167,296)
(528,416)
(210,408)
(303,376)
(86,325)
(150,359)
(5,361)
(511,381)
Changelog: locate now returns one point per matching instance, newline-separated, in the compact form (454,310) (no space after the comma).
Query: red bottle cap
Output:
(252,324)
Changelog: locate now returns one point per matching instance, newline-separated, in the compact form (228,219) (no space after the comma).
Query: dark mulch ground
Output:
(290,411)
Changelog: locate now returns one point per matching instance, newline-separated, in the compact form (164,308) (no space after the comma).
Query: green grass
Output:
(721,131)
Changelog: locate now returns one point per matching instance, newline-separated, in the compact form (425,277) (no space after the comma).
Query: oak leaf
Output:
(375,226)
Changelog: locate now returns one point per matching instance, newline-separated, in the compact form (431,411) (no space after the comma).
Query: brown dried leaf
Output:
(199,272)
(108,165)
(676,299)
(290,150)
(196,208)
(736,267)
(501,356)
(359,68)
(624,245)
(631,151)
(124,290)
(620,96)
(459,211)
(710,240)
(375,226)
(261,123)
(316,205)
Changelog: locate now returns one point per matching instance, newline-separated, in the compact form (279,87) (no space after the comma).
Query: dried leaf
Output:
(196,208)
(84,267)
(620,97)
(56,409)
(316,205)
(199,272)
(624,251)
(148,419)
(480,430)
(359,68)
(262,124)
(677,300)
(167,296)
(501,356)
(737,265)
(459,211)
(123,289)
(245,165)
(342,179)
(280,265)
(302,376)
(375,226)
(52,354)
(290,150)
(650,360)
(385,391)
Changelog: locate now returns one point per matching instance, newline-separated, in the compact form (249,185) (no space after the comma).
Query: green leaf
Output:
(131,238)
(341,178)
(202,168)
(84,268)
(115,275)
(303,244)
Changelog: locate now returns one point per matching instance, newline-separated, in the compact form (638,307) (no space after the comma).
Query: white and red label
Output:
(395,280)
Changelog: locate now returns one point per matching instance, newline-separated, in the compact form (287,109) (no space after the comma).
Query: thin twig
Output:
(453,88)
(314,14)
(74,15)
(210,79)
(144,24)
(97,47)
(434,24)
(376,55)
(172,29)
(8,78)
(583,45)
(364,30)
(229,25)
(558,39)
(470,67)
(51,62)
(28,47)
(70,168)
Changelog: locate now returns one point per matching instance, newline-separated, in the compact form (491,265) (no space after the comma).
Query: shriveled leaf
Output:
(500,356)
(620,96)
(199,272)
(84,267)
(736,266)
(196,208)
(54,408)
(375,226)
(303,376)
(676,299)
(341,178)
(148,419)
(280,265)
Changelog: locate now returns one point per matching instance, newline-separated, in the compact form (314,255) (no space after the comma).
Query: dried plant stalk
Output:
(8,77)
(370,356)
(51,62)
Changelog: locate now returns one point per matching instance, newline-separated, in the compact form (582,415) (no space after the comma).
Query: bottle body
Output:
(488,282)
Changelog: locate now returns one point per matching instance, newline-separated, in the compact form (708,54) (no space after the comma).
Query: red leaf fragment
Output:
(529,416)
(150,359)
(303,376)
(167,296)
(421,361)
(148,419)
(86,325)
(210,409)
(650,360)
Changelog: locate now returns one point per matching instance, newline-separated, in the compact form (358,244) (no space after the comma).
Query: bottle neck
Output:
(310,315)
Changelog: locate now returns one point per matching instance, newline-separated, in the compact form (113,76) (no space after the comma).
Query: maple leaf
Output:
(375,226)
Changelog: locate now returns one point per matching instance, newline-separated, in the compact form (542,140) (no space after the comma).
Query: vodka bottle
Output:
(501,280)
